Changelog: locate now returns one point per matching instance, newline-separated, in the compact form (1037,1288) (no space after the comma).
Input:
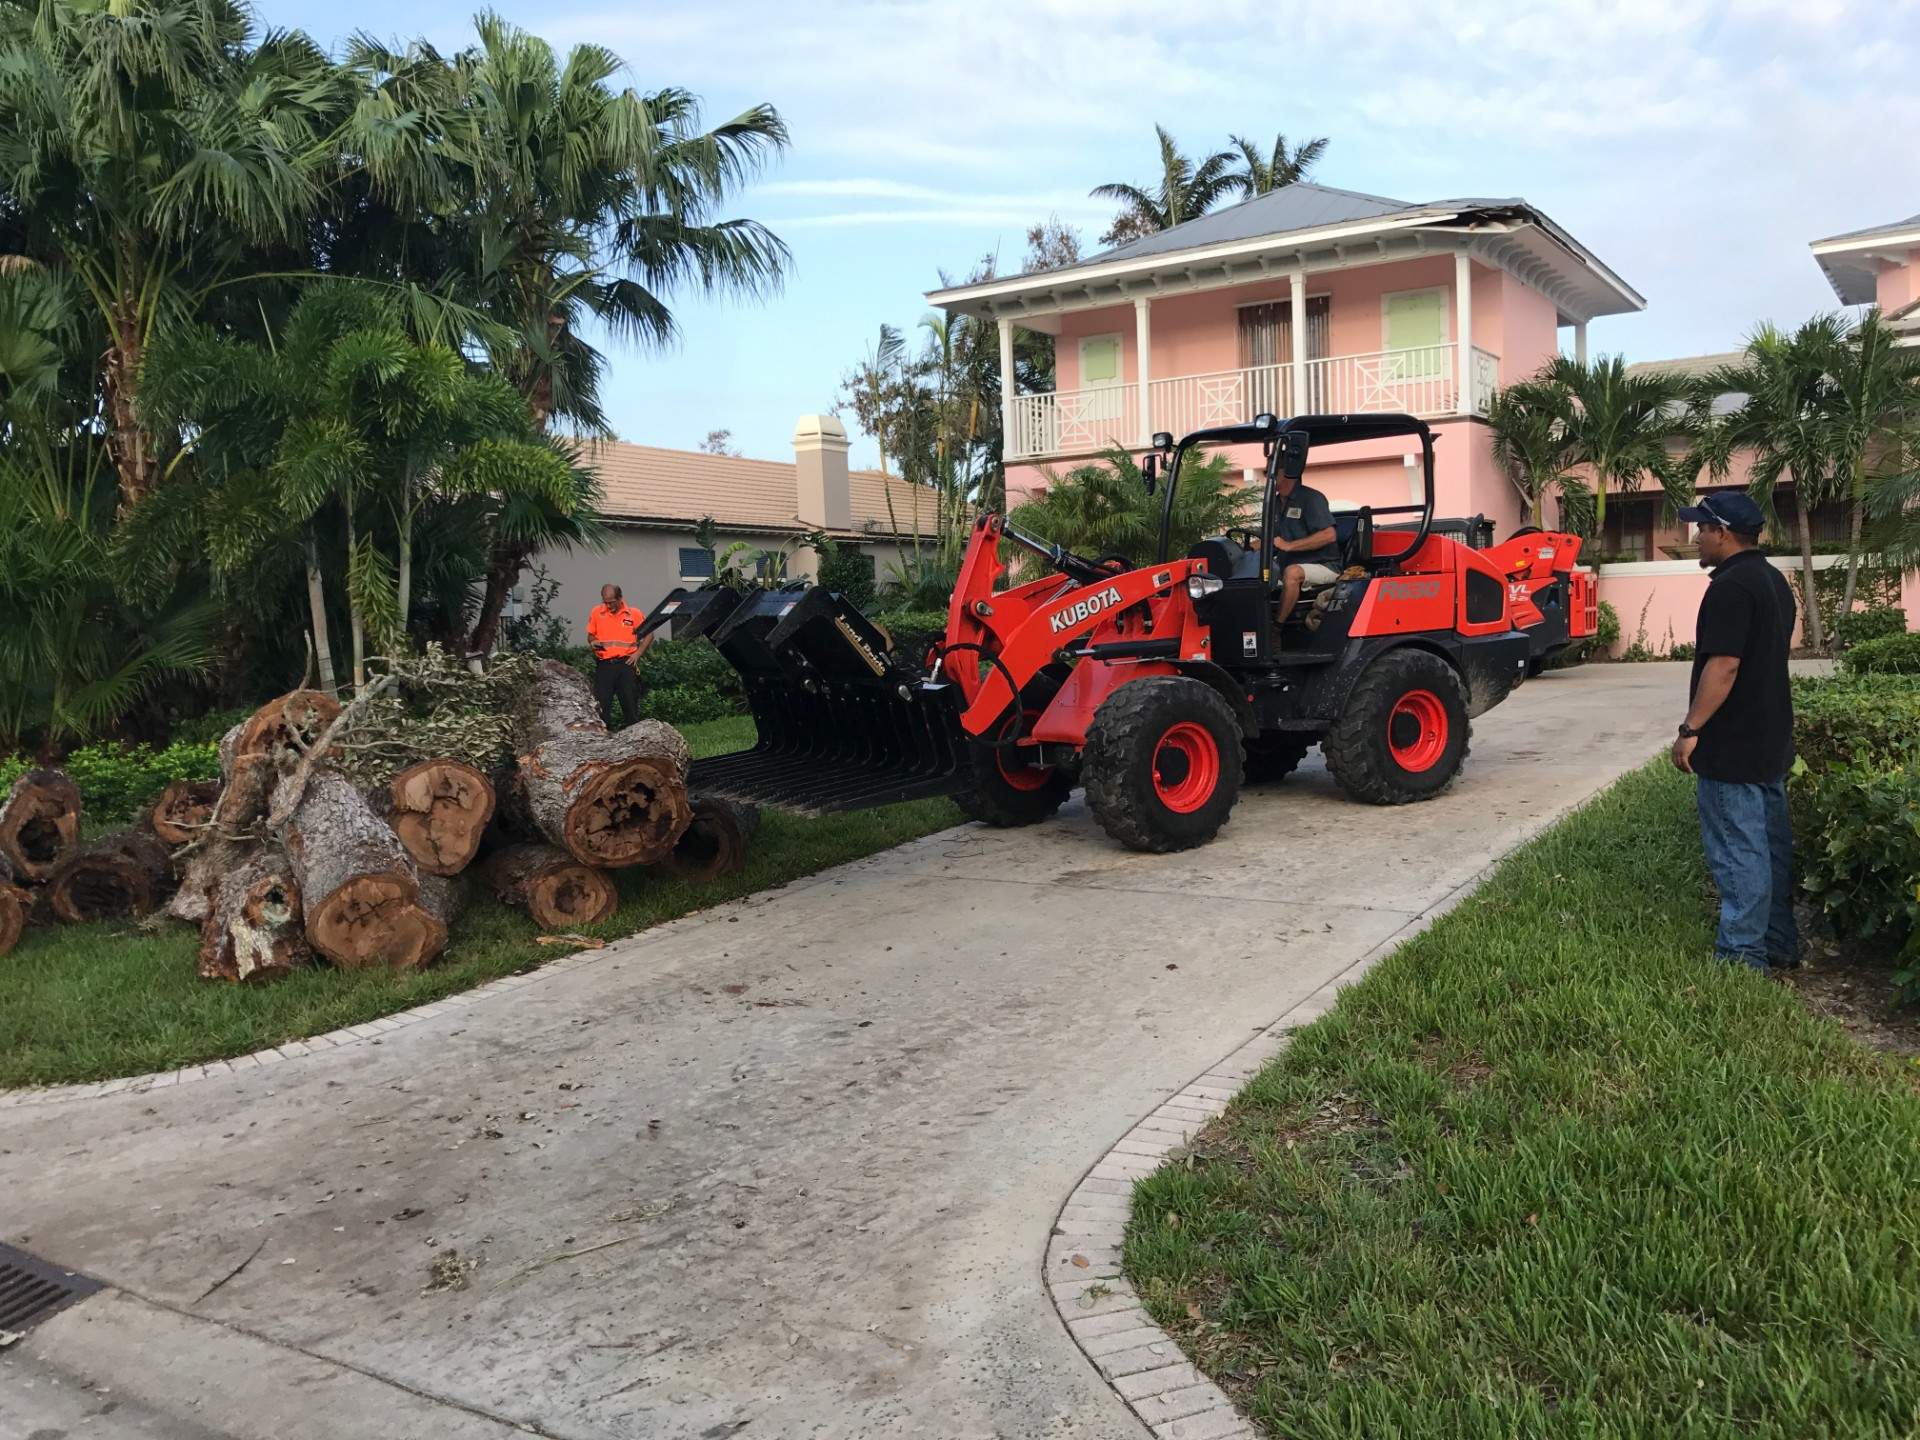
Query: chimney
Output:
(820,464)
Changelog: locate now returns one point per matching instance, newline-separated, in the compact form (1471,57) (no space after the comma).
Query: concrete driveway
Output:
(785,1168)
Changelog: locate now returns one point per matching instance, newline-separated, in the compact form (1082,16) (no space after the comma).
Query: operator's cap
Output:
(1729,509)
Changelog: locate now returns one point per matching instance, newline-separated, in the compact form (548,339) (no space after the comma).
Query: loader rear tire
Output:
(1403,733)
(1162,763)
(1271,758)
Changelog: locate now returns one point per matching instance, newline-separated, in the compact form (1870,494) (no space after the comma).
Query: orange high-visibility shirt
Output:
(610,631)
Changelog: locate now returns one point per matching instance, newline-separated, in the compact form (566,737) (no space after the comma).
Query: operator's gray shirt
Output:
(1303,513)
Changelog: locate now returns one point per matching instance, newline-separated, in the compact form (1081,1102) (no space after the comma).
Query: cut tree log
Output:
(180,815)
(444,897)
(232,833)
(550,885)
(608,800)
(253,930)
(14,905)
(127,873)
(439,809)
(359,889)
(715,844)
(285,726)
(39,823)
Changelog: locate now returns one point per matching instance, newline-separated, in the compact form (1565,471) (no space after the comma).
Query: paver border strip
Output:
(1103,1315)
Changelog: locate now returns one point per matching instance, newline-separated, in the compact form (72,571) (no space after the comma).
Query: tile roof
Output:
(645,483)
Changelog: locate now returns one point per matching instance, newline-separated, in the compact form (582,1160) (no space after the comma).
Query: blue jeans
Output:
(1749,846)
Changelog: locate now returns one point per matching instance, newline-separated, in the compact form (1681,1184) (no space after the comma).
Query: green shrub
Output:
(1875,622)
(1607,632)
(1847,720)
(848,569)
(913,631)
(1680,650)
(206,729)
(1884,655)
(117,782)
(689,704)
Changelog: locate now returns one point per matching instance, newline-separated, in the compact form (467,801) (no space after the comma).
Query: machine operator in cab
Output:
(616,655)
(1304,537)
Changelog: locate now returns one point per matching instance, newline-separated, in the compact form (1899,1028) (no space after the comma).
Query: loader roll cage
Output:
(1287,443)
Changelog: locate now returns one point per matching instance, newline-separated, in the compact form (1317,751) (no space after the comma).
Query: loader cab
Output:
(1239,614)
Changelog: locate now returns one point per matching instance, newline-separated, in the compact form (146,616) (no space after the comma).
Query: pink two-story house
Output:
(1878,266)
(1304,300)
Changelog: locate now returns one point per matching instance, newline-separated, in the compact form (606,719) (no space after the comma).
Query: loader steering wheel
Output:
(1244,538)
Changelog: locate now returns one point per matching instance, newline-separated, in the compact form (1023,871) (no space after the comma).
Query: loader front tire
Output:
(1403,733)
(1162,763)
(1003,793)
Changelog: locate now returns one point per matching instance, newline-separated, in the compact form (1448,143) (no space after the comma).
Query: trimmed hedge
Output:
(1875,622)
(1855,791)
(117,782)
(1896,654)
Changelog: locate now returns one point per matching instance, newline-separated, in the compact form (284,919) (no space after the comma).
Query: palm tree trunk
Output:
(127,442)
(317,606)
(1816,635)
(1599,506)
(1856,522)
(403,587)
(356,621)
(502,574)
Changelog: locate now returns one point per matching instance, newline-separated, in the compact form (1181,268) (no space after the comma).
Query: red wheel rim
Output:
(1417,730)
(1018,776)
(1186,767)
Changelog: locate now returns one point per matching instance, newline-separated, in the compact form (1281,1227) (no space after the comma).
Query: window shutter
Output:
(1100,360)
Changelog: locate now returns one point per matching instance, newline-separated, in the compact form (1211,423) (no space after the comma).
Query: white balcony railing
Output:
(1423,382)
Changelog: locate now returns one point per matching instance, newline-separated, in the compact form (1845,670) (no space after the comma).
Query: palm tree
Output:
(1184,190)
(1619,424)
(579,201)
(148,151)
(869,387)
(1529,421)
(1786,419)
(1875,394)
(1279,167)
(1105,509)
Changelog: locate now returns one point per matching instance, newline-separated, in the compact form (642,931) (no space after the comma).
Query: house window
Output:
(1413,324)
(695,563)
(1266,343)
(1630,527)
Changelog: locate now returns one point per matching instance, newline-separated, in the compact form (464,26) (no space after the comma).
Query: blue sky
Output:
(1696,147)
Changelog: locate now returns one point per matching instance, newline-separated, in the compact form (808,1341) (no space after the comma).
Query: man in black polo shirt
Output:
(1738,734)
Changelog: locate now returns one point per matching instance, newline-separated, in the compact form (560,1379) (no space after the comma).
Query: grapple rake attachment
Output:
(843,723)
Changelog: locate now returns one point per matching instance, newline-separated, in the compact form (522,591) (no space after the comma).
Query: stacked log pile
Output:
(346,835)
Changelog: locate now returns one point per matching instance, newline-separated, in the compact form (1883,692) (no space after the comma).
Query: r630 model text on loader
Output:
(1159,687)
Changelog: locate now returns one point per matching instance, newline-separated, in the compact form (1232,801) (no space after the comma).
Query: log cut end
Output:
(15,904)
(252,931)
(39,823)
(555,889)
(180,815)
(375,921)
(715,844)
(287,724)
(120,875)
(440,809)
(626,812)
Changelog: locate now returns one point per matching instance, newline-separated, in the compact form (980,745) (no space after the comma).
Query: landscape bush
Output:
(1874,622)
(117,782)
(1897,654)
(1855,791)
(1607,628)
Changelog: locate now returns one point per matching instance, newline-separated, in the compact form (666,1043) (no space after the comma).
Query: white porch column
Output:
(1580,341)
(1463,332)
(1143,343)
(1010,446)
(1297,329)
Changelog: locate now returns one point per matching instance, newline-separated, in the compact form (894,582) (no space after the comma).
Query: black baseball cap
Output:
(1730,509)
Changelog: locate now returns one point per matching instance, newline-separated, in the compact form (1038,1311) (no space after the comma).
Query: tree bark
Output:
(124,874)
(180,815)
(14,905)
(715,844)
(1856,523)
(359,890)
(39,823)
(128,444)
(253,929)
(609,800)
(439,809)
(555,889)
(503,573)
(1816,632)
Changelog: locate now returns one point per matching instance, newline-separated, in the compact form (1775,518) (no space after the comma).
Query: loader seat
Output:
(1353,533)
(1227,558)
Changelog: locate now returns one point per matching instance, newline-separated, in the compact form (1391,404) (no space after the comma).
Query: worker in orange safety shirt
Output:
(616,655)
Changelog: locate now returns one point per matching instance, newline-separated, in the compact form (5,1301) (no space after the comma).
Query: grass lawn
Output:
(1548,1170)
(86,1002)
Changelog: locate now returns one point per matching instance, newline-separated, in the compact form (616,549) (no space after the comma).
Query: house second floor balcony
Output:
(1425,380)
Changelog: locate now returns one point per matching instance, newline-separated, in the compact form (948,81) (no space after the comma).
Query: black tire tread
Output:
(1353,749)
(1271,758)
(1125,723)
(990,800)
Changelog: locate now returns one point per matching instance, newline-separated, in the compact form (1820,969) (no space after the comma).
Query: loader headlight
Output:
(1200,585)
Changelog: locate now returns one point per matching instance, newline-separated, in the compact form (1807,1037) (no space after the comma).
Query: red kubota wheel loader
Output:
(1160,687)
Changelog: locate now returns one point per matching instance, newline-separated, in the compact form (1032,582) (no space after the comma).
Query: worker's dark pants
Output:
(617,680)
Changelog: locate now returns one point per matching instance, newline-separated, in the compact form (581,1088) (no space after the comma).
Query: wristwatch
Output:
(1687,732)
